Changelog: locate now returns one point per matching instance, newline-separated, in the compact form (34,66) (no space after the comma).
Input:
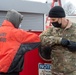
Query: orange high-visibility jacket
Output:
(13,45)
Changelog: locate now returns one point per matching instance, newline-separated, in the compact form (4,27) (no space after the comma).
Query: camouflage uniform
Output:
(63,61)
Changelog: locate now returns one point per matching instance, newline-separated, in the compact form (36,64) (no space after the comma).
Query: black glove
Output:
(69,44)
(64,42)
(72,46)
(45,53)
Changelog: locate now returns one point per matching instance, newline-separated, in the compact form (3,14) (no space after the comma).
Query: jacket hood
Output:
(14,17)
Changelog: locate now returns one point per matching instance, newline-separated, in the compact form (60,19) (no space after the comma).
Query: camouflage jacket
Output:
(63,60)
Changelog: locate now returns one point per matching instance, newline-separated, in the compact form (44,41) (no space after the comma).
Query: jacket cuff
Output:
(64,42)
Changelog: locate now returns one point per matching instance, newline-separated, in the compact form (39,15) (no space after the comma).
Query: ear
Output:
(59,20)
(63,20)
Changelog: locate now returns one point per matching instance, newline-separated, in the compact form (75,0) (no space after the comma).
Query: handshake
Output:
(52,41)
(47,43)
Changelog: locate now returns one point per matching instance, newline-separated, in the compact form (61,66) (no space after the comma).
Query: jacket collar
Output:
(7,23)
(69,24)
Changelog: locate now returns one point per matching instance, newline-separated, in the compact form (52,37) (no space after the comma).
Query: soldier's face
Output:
(56,22)
(53,19)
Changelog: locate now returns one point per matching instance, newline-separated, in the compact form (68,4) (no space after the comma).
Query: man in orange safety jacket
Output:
(14,42)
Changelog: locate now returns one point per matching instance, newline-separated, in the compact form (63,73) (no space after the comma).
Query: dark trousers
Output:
(9,73)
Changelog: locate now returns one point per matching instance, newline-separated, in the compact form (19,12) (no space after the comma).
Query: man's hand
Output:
(65,42)
(50,41)
(55,40)
(45,53)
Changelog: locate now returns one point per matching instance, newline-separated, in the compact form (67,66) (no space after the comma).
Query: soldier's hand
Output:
(50,41)
(55,40)
(65,42)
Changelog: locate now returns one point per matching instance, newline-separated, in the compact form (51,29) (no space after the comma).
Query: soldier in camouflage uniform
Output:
(61,38)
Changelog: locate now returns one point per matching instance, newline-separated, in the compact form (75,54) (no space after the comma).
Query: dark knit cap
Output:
(57,12)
